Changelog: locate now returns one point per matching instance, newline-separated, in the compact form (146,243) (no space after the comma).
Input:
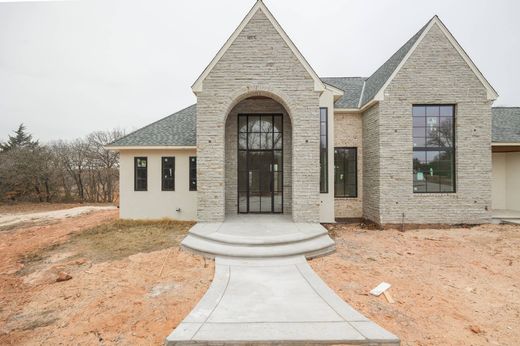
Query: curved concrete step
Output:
(258,240)
(308,246)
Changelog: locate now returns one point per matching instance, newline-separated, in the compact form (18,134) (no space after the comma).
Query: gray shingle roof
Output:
(352,87)
(506,124)
(178,129)
(376,81)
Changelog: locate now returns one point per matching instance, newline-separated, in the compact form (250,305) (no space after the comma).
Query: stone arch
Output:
(247,101)
(260,90)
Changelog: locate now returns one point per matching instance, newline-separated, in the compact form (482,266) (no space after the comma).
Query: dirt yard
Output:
(457,286)
(18,208)
(130,284)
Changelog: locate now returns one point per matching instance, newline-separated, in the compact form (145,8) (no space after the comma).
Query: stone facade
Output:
(259,106)
(258,62)
(434,74)
(371,164)
(348,129)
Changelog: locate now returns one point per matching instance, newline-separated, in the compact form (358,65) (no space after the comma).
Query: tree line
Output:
(79,170)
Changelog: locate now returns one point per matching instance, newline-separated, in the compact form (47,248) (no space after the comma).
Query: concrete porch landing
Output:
(274,301)
(258,236)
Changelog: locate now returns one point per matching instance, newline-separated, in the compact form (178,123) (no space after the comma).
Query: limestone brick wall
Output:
(259,62)
(435,74)
(348,131)
(371,164)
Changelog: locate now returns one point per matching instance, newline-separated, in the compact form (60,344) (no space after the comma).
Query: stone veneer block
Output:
(258,63)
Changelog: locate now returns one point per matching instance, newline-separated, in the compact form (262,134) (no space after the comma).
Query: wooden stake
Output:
(165,259)
(388,297)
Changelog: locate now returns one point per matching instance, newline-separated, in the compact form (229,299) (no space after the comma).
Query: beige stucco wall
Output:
(154,203)
(435,74)
(256,106)
(348,130)
(499,181)
(258,62)
(513,181)
(506,181)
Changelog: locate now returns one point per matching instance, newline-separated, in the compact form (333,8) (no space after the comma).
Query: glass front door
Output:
(260,163)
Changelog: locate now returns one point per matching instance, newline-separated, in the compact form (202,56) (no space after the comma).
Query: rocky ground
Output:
(455,286)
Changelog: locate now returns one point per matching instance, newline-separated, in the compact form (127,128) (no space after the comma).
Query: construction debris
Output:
(379,289)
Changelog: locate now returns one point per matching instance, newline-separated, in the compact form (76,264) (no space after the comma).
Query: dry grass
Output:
(114,240)
(123,238)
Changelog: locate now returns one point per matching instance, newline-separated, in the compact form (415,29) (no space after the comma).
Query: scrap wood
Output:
(383,286)
(388,297)
(165,259)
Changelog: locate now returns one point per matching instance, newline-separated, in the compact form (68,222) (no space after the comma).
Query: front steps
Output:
(258,240)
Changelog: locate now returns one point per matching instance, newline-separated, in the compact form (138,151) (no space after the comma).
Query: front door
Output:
(260,163)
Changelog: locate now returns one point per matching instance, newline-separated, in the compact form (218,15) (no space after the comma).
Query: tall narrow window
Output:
(168,173)
(324,181)
(193,173)
(140,173)
(433,148)
(345,172)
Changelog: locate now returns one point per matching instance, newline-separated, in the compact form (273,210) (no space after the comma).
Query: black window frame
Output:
(346,173)
(193,173)
(428,148)
(145,158)
(324,152)
(164,178)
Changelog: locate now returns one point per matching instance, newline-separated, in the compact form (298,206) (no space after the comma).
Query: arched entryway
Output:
(258,157)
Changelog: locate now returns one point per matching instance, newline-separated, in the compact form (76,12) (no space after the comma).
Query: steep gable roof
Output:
(352,88)
(377,83)
(259,6)
(379,78)
(506,124)
(176,130)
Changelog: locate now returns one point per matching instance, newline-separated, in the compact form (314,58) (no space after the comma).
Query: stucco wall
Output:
(260,106)
(513,181)
(258,62)
(499,181)
(348,130)
(506,181)
(154,203)
(435,74)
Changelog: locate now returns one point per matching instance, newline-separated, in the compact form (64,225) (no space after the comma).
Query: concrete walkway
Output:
(273,301)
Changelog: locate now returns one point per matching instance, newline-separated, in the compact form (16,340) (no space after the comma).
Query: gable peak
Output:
(258,6)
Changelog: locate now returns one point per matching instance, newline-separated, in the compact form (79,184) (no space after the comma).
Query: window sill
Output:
(434,194)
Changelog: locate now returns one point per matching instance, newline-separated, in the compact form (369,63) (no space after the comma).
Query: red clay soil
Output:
(127,301)
(458,286)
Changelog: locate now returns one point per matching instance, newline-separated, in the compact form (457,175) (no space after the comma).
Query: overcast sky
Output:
(70,68)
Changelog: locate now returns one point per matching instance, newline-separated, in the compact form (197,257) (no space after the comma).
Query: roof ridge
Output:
(413,39)
(146,126)
(344,77)
(362,93)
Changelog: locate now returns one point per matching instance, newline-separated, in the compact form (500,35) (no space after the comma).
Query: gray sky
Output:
(69,68)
